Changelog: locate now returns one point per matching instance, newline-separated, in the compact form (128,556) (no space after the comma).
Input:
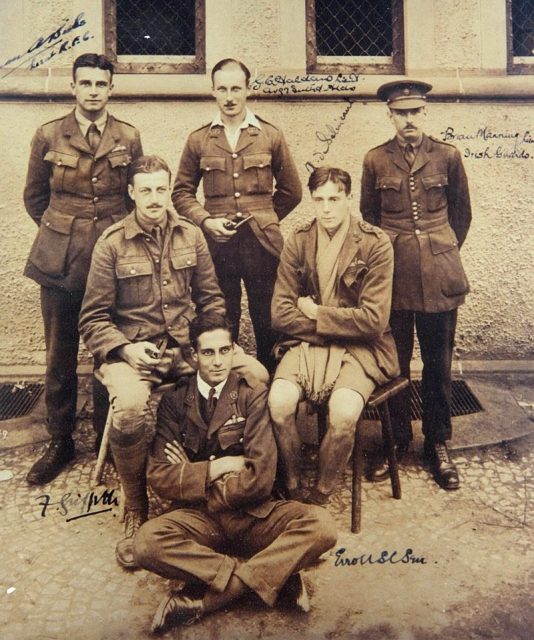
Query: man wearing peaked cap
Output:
(415,188)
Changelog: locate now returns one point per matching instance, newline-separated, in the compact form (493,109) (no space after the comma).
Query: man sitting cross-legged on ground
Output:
(148,274)
(332,299)
(214,456)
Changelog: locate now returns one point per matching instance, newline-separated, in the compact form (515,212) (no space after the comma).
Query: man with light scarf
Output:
(332,301)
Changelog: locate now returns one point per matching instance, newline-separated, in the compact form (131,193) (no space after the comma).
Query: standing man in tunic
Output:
(76,187)
(237,156)
(415,188)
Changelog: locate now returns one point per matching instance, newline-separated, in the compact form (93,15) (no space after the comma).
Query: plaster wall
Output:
(458,45)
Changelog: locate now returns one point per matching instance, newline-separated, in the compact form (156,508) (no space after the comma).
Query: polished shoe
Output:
(176,609)
(124,550)
(294,594)
(59,453)
(380,472)
(445,471)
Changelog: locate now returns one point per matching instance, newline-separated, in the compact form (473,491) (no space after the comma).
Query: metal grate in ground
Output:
(18,399)
(463,402)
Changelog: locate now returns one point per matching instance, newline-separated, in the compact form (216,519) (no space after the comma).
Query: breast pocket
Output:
(134,282)
(389,188)
(64,169)
(183,262)
(354,275)
(231,438)
(118,164)
(216,182)
(436,191)
(258,173)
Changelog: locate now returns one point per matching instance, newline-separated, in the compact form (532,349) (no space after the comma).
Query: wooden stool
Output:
(379,399)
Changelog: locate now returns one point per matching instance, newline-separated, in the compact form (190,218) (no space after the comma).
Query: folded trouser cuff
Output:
(259,586)
(224,573)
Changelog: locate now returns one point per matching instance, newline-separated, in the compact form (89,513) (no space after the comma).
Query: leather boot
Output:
(130,462)
(380,472)
(59,453)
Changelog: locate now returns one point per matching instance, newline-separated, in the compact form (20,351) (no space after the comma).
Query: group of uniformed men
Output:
(156,296)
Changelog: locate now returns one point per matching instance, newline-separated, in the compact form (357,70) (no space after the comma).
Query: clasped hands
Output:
(146,358)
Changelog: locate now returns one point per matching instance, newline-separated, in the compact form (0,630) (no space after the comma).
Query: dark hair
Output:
(322,175)
(147,164)
(205,322)
(93,60)
(229,61)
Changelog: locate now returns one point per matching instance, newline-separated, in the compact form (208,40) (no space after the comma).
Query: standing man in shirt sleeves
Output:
(237,156)
(75,188)
(415,188)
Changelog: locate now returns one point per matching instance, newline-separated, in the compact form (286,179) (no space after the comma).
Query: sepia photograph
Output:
(267,333)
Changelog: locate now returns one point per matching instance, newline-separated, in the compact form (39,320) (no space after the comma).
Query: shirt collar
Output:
(250,120)
(402,144)
(84,122)
(204,387)
(132,227)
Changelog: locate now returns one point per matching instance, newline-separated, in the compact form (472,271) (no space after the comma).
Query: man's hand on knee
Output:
(142,356)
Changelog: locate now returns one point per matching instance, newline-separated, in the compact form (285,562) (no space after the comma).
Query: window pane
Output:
(523,27)
(155,27)
(354,27)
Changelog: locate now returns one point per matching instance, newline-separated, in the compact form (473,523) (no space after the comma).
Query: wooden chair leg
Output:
(357,470)
(102,452)
(389,446)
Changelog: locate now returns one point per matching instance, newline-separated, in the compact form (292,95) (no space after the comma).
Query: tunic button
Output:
(94,179)
(188,261)
(261,165)
(169,328)
(164,282)
(165,306)
(236,175)
(207,168)
(47,224)
(417,232)
(124,164)
(95,218)
(133,271)
(59,163)
(95,199)
(212,457)
(240,439)
(234,155)
(239,214)
(237,194)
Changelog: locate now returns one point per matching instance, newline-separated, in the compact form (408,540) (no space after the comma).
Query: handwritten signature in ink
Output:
(55,43)
(79,505)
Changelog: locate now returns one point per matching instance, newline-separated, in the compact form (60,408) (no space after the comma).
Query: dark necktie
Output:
(409,155)
(93,137)
(211,404)
(156,234)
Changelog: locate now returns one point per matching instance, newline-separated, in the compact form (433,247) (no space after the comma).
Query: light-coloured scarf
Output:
(319,366)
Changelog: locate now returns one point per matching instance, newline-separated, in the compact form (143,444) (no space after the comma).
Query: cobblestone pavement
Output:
(467,571)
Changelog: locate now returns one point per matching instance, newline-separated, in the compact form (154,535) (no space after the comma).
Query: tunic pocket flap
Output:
(119,160)
(441,241)
(133,269)
(231,434)
(259,160)
(60,222)
(213,163)
(389,182)
(184,260)
(62,159)
(438,180)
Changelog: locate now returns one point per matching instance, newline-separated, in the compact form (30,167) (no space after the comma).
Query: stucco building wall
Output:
(477,106)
